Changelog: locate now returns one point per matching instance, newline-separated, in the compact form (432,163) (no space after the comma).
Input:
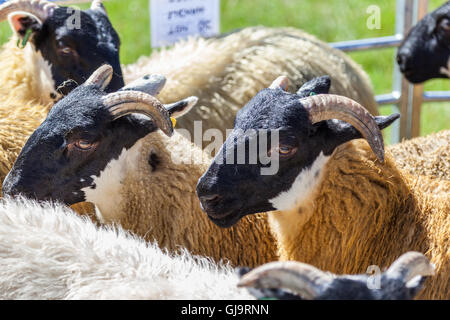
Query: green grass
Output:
(328,20)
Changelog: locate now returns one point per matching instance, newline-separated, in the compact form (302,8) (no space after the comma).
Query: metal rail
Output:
(405,97)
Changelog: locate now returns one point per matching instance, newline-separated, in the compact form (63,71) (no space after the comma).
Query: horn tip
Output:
(280,82)
(192,101)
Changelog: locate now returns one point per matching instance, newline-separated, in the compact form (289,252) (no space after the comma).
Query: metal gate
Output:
(406,97)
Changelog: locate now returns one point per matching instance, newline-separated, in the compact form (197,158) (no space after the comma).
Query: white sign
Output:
(172,20)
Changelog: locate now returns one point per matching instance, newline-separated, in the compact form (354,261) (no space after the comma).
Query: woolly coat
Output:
(226,72)
(428,156)
(160,204)
(388,213)
(48,252)
(22,108)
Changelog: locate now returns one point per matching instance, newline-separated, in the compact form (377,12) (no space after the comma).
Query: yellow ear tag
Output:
(174,121)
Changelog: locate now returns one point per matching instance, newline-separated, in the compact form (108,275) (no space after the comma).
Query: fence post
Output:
(422,9)
(402,85)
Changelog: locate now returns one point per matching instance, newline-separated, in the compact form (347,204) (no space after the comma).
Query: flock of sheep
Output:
(146,226)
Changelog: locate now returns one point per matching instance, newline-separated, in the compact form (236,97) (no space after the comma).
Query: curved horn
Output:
(329,106)
(98,5)
(302,279)
(409,266)
(281,82)
(41,9)
(101,77)
(122,103)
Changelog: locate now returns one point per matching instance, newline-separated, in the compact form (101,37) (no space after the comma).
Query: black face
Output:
(228,192)
(76,141)
(427,47)
(75,53)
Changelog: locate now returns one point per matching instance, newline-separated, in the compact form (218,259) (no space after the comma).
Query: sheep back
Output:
(428,156)
(225,73)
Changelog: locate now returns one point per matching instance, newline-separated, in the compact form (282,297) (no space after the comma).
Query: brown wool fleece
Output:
(428,156)
(22,108)
(161,205)
(226,73)
(20,72)
(381,213)
(18,120)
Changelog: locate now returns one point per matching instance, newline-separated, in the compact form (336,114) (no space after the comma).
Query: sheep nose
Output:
(403,62)
(208,201)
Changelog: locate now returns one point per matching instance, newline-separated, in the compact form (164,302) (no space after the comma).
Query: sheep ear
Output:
(341,132)
(382,122)
(177,109)
(98,5)
(319,85)
(24,23)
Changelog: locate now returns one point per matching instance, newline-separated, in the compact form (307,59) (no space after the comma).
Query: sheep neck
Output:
(161,205)
(25,74)
(361,226)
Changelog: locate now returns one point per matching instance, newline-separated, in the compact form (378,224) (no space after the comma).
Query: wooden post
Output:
(417,96)
(406,87)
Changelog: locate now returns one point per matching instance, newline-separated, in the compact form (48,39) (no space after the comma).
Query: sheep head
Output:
(425,53)
(69,44)
(84,132)
(403,280)
(281,142)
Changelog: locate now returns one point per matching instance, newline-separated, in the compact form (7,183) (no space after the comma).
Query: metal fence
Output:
(407,98)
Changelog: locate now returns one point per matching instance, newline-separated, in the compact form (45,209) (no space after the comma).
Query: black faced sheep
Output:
(425,53)
(334,204)
(46,50)
(55,58)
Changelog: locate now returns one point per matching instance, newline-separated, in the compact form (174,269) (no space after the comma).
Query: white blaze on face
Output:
(107,194)
(303,186)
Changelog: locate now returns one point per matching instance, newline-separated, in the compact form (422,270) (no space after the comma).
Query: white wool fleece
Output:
(48,252)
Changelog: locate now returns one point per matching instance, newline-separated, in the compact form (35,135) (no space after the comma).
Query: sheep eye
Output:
(83,144)
(444,25)
(66,50)
(284,150)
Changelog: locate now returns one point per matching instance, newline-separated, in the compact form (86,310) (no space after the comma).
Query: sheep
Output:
(34,77)
(225,72)
(134,174)
(425,52)
(332,202)
(37,72)
(74,259)
(428,155)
